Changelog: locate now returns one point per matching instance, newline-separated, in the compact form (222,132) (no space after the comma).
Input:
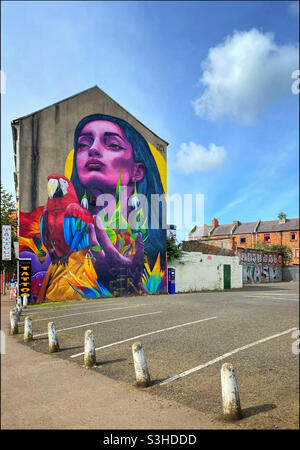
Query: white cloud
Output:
(235,203)
(293,7)
(193,157)
(244,75)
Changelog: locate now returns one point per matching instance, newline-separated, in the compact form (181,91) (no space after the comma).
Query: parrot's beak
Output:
(52,186)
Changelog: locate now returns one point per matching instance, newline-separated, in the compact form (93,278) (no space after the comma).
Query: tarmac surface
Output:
(186,339)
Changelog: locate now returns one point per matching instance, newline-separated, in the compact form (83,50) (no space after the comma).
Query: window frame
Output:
(243,237)
(269,235)
(293,240)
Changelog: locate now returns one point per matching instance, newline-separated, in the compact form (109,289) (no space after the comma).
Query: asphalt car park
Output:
(186,339)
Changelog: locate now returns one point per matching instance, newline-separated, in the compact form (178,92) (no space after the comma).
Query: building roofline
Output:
(262,221)
(79,93)
(215,232)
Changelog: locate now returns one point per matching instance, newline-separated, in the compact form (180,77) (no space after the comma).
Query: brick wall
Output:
(220,246)
(283,238)
(277,238)
(250,240)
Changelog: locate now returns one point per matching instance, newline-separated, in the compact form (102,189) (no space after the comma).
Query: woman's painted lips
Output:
(94,164)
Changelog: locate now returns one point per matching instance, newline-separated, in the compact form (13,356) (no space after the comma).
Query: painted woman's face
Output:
(102,150)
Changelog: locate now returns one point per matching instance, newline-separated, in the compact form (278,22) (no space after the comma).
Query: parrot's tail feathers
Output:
(60,260)
(64,260)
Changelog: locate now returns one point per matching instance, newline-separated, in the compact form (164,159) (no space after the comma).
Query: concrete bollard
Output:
(52,338)
(16,311)
(19,312)
(14,322)
(19,305)
(25,301)
(230,394)
(28,330)
(89,349)
(140,365)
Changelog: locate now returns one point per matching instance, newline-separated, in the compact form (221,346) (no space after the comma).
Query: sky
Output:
(213,79)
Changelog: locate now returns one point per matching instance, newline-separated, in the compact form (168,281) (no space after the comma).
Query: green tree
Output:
(281,215)
(174,249)
(9,217)
(284,249)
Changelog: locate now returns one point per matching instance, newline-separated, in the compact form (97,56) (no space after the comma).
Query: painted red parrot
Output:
(64,222)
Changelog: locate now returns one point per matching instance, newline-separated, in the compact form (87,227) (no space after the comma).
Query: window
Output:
(297,253)
(293,236)
(267,238)
(242,240)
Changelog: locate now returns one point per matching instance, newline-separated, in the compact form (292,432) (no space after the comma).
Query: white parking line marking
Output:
(147,334)
(213,361)
(271,294)
(102,321)
(88,312)
(271,297)
(63,308)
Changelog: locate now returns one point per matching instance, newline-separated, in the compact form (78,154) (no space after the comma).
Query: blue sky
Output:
(211,78)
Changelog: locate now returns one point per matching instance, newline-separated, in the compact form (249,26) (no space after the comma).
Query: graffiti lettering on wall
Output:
(80,247)
(260,266)
(259,273)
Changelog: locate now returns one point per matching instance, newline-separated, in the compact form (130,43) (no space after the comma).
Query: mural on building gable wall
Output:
(260,266)
(82,247)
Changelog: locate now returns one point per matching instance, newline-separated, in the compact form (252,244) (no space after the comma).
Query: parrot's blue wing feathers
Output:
(67,230)
(41,229)
(75,233)
(76,241)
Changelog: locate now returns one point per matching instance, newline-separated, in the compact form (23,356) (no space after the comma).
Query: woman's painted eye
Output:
(115,146)
(83,146)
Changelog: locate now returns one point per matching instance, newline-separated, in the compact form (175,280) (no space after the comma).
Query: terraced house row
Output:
(244,235)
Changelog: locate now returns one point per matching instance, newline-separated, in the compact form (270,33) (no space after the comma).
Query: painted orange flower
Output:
(30,223)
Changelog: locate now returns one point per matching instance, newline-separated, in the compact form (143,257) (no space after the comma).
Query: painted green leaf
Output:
(111,234)
(96,248)
(38,242)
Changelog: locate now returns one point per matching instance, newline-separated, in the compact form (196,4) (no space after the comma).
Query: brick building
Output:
(231,236)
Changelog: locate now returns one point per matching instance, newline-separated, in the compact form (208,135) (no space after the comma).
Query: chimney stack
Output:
(235,224)
(282,217)
(215,222)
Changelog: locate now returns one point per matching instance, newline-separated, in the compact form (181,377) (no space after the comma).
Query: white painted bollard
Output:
(140,365)
(14,322)
(28,330)
(89,349)
(52,338)
(18,312)
(230,393)
(19,305)
(25,300)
